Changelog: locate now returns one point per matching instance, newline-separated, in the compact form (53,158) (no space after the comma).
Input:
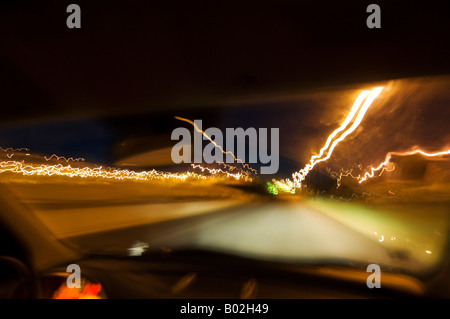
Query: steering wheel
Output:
(16,279)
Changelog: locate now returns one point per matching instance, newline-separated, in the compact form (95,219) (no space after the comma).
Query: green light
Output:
(272,189)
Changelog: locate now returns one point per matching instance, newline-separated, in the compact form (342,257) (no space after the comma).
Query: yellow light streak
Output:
(84,172)
(216,171)
(64,158)
(215,144)
(10,149)
(299,177)
(109,173)
(344,124)
(285,185)
(383,165)
(34,169)
(343,173)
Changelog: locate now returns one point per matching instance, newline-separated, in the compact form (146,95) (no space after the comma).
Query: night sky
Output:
(67,90)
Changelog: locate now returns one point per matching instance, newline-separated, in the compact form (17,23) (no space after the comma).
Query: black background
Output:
(153,55)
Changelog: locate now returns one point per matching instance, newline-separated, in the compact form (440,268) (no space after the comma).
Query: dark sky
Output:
(157,56)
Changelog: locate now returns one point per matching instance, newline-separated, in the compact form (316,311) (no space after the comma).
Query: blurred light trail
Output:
(67,170)
(343,173)
(21,167)
(271,188)
(215,144)
(64,158)
(100,172)
(10,149)
(364,194)
(216,171)
(383,165)
(137,248)
(301,175)
(344,124)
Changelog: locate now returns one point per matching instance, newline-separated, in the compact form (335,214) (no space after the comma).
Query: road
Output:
(115,217)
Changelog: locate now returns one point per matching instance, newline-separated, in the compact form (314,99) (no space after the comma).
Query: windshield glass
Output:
(358,175)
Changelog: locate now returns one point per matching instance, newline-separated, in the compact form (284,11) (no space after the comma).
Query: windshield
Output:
(358,174)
